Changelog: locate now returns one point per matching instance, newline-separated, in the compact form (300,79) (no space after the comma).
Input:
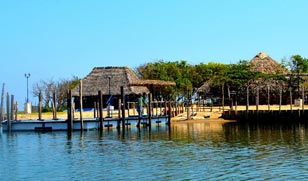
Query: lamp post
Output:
(27,75)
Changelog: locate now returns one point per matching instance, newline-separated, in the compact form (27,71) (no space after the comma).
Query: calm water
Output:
(196,151)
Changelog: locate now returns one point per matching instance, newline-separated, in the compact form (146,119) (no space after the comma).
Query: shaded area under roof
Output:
(154,83)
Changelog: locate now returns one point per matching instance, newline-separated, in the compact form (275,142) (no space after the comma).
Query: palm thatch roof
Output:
(110,79)
(205,88)
(265,64)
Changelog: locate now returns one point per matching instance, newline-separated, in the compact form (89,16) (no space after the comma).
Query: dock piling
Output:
(100,107)
(80,105)
(123,108)
(8,112)
(69,112)
(40,107)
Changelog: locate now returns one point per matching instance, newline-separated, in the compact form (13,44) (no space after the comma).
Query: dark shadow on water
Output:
(265,133)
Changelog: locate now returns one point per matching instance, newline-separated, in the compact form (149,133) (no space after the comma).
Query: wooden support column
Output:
(169,114)
(69,112)
(54,106)
(2,105)
(16,111)
(119,109)
(150,109)
(123,108)
(8,112)
(12,107)
(40,107)
(94,111)
(100,107)
(81,105)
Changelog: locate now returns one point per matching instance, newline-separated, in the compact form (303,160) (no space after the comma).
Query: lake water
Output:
(186,151)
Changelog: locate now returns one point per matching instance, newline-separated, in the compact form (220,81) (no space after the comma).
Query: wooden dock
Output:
(284,116)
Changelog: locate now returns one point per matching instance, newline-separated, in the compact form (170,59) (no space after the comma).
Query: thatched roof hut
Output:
(205,88)
(260,63)
(110,79)
(265,64)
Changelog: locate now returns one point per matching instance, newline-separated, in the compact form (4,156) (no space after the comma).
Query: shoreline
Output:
(214,115)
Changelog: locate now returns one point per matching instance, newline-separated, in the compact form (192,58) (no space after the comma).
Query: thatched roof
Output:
(98,79)
(265,64)
(205,88)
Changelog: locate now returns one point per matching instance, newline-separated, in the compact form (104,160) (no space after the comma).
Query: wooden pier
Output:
(266,116)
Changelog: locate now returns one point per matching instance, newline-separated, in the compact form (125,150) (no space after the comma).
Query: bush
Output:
(46,109)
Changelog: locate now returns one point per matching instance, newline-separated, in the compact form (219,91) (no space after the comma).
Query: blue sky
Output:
(55,39)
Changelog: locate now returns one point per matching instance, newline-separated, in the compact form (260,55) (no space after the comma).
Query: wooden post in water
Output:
(12,107)
(123,108)
(100,107)
(40,106)
(169,114)
(2,105)
(54,106)
(8,112)
(94,111)
(16,111)
(150,109)
(69,112)
(119,109)
(80,105)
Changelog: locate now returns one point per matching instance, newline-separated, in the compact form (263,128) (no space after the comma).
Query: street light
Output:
(27,75)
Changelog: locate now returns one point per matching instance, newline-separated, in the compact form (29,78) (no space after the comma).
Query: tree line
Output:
(188,79)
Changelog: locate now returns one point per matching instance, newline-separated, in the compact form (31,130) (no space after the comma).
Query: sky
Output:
(59,39)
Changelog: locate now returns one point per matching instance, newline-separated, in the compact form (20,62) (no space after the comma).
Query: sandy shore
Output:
(199,114)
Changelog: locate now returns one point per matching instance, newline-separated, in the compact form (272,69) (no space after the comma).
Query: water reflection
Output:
(231,132)
(264,134)
(186,150)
